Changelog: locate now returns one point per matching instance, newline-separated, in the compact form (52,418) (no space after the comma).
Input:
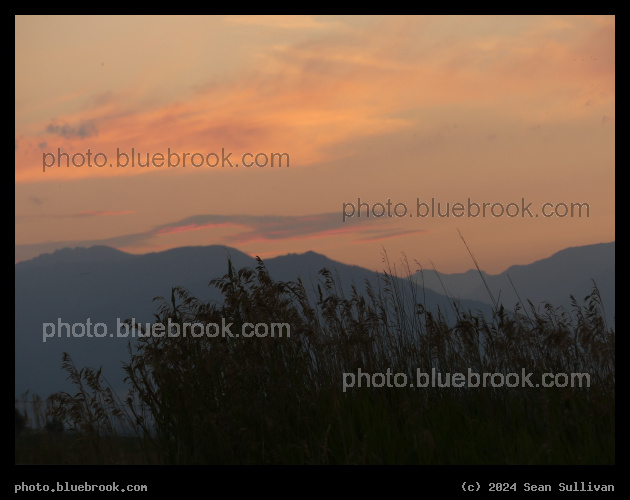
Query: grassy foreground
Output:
(282,400)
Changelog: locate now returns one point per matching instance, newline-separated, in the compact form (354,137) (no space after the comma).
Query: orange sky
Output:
(496,109)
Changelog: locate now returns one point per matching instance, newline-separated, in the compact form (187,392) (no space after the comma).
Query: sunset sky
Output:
(493,108)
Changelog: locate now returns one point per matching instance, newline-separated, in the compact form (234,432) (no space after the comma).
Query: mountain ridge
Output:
(552,279)
(107,286)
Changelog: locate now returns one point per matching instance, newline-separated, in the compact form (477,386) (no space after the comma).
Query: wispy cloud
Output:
(386,236)
(342,86)
(101,213)
(83,130)
(289,22)
(36,200)
(247,229)
(88,213)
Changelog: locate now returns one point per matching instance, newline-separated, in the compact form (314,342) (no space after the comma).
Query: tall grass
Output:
(281,400)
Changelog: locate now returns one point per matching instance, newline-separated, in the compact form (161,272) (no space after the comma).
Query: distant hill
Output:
(104,284)
(554,279)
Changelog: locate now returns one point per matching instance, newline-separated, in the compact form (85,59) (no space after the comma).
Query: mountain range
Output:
(106,285)
(572,271)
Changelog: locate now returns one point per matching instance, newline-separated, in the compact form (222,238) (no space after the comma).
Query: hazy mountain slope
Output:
(554,279)
(104,285)
(101,288)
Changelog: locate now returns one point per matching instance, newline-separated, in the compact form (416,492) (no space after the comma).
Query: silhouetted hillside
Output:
(553,280)
(104,285)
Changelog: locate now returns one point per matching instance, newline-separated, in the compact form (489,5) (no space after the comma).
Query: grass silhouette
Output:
(265,400)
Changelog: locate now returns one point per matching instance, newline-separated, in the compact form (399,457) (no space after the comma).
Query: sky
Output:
(511,111)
